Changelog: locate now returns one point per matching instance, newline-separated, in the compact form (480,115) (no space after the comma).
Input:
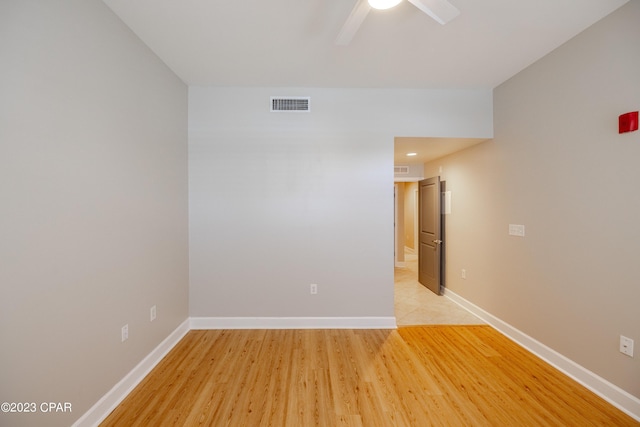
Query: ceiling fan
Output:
(440,10)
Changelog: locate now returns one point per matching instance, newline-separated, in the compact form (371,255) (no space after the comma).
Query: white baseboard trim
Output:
(608,391)
(108,402)
(613,394)
(293,323)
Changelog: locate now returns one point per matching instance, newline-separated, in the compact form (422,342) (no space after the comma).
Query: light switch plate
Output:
(516,230)
(446,202)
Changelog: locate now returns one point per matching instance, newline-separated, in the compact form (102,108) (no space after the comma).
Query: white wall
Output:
(558,165)
(410,214)
(93,204)
(279,201)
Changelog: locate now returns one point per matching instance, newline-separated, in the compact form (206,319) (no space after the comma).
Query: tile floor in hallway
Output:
(416,305)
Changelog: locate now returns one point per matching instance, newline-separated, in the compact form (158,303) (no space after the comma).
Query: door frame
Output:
(416,218)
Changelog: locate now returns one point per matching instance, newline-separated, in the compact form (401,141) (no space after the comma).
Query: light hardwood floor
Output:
(413,376)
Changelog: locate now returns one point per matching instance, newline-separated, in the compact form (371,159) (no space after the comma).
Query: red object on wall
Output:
(628,122)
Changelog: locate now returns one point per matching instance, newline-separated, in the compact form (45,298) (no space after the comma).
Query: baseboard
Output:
(108,402)
(613,394)
(608,391)
(293,322)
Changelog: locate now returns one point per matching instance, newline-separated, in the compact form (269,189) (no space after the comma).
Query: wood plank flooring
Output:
(413,376)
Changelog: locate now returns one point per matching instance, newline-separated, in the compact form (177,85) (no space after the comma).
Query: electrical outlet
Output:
(152,313)
(313,289)
(626,346)
(125,332)
(463,273)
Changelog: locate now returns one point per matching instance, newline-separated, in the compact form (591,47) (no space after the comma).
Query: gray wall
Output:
(93,203)
(282,200)
(558,165)
(93,192)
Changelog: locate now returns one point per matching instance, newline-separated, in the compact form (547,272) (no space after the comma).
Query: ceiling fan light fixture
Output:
(383,4)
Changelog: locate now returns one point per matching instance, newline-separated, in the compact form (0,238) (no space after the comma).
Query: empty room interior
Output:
(190,189)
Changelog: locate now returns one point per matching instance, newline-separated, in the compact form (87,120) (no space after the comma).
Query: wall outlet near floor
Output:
(125,332)
(152,313)
(626,346)
(313,288)
(463,273)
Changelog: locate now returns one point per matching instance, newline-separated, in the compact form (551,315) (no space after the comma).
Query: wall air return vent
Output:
(401,170)
(289,104)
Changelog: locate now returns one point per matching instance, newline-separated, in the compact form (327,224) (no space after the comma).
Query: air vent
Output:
(290,104)
(401,170)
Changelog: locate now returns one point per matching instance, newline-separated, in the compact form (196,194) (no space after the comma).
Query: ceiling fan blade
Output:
(355,19)
(440,10)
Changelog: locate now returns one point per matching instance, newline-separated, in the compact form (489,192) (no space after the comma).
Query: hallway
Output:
(416,305)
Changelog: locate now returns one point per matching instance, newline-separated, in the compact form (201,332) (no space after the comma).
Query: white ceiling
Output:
(291,43)
(428,149)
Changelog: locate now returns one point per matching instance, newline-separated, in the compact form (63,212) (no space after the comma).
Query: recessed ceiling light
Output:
(411,154)
(383,4)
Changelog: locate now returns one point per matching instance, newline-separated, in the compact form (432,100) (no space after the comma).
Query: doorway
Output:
(418,231)
(415,304)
